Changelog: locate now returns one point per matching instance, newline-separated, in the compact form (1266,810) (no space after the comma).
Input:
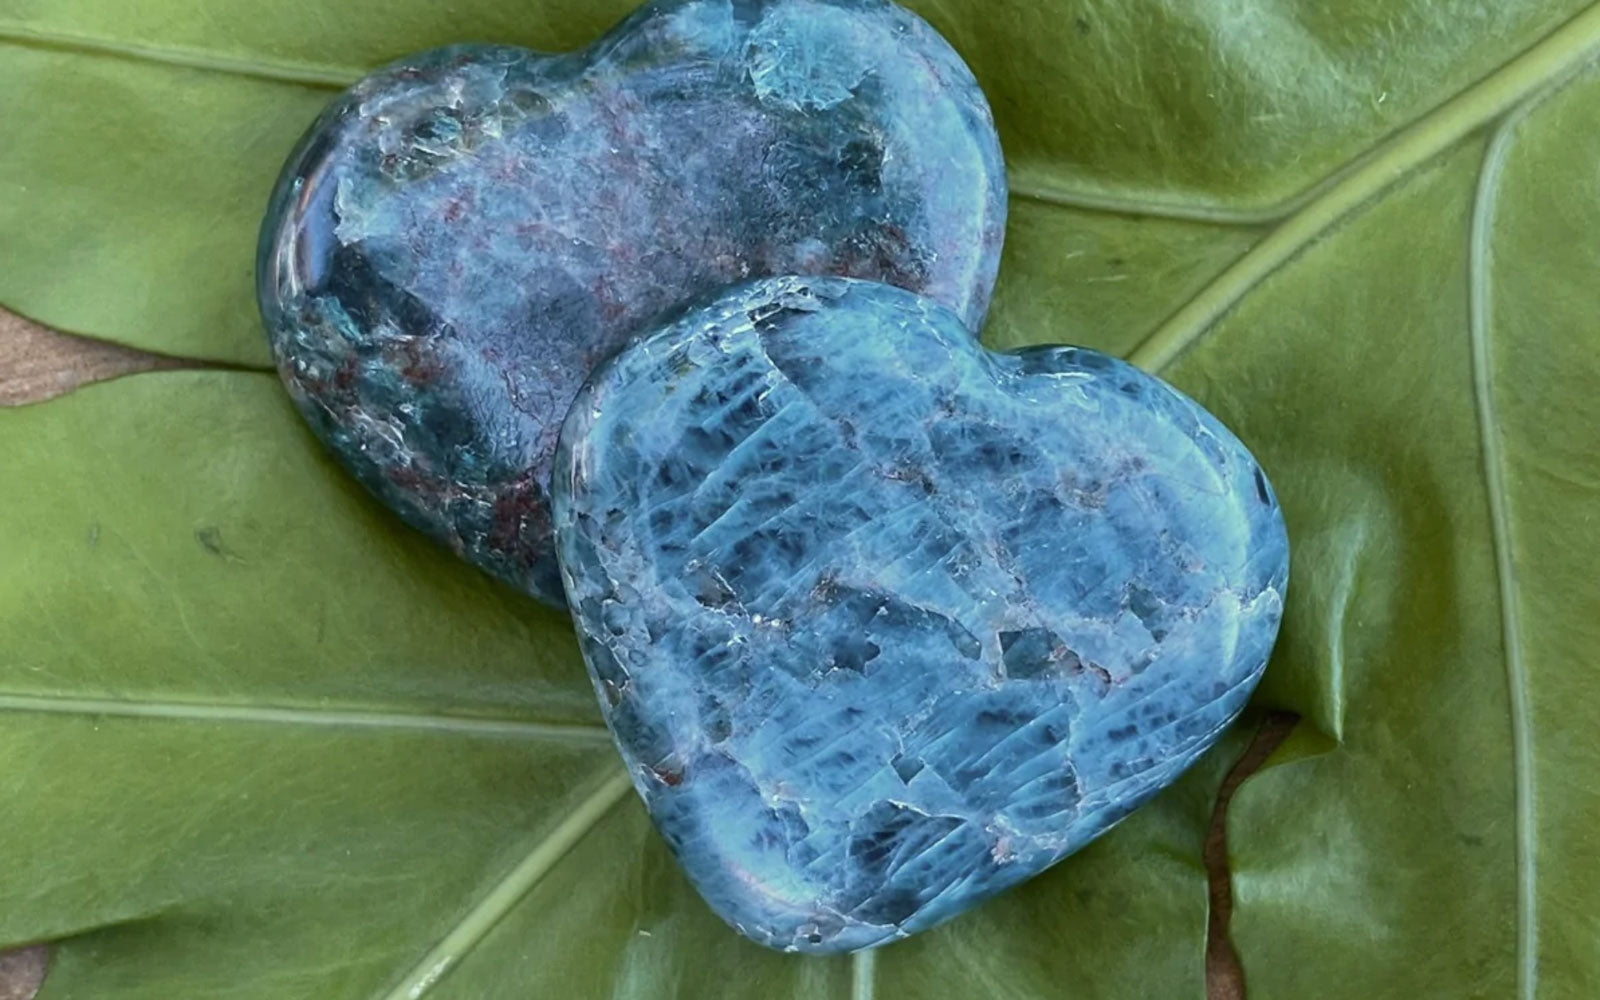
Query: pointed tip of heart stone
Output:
(464,235)
(884,622)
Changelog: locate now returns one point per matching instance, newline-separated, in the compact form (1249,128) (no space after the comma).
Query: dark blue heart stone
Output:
(463,236)
(884,622)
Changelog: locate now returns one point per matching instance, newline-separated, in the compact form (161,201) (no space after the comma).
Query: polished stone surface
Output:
(464,235)
(884,622)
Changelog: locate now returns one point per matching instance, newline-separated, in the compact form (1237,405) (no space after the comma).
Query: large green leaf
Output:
(258,740)
(1443,460)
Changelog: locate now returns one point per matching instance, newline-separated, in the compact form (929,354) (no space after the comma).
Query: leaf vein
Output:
(275,71)
(1024,185)
(275,715)
(863,974)
(1479,261)
(510,890)
(1552,58)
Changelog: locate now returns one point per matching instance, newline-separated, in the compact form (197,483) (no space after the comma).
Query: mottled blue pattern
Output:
(463,236)
(884,622)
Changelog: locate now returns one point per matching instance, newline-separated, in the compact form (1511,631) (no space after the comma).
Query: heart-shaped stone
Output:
(884,622)
(463,236)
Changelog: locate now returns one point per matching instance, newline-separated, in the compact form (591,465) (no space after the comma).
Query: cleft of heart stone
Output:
(464,235)
(884,622)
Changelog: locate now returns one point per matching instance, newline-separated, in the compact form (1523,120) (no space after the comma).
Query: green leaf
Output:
(1448,504)
(255,739)
(259,739)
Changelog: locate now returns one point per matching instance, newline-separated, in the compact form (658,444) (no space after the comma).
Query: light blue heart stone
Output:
(884,622)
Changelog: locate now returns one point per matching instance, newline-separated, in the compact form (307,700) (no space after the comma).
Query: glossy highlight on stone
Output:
(464,235)
(884,622)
